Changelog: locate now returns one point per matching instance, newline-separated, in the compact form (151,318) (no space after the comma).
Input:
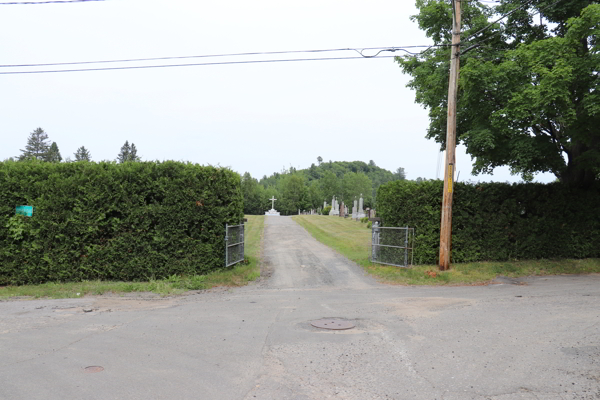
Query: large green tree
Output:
(128,153)
(294,194)
(330,186)
(254,195)
(37,145)
(528,90)
(83,154)
(355,184)
(53,153)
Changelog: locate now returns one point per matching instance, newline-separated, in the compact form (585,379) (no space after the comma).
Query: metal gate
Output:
(392,246)
(234,244)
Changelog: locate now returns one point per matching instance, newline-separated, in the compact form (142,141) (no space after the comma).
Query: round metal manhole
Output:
(337,324)
(92,369)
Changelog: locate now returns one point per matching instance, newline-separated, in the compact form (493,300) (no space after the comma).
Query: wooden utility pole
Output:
(446,224)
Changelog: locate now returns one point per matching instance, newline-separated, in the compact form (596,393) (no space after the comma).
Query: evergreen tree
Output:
(399,175)
(37,145)
(53,154)
(128,153)
(133,153)
(124,154)
(83,154)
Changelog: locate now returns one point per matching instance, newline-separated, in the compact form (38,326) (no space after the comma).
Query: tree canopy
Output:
(306,189)
(53,153)
(528,84)
(128,153)
(37,146)
(82,154)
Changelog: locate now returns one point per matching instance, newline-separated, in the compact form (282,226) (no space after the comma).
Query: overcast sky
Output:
(258,118)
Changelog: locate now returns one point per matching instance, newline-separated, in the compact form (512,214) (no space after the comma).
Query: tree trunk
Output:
(575,174)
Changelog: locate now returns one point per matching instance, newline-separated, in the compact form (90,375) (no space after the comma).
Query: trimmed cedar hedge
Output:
(131,221)
(496,221)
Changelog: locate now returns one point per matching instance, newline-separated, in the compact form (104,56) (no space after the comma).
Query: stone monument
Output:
(361,212)
(335,207)
(355,209)
(272,212)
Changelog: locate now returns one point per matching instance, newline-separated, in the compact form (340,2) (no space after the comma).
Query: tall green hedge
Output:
(131,221)
(496,221)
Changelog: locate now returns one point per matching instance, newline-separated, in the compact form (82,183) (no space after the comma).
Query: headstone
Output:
(361,212)
(342,210)
(272,212)
(334,207)
(324,205)
(354,209)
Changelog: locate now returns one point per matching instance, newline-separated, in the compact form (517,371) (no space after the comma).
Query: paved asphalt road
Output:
(534,339)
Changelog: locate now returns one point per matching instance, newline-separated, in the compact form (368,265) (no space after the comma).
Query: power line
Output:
(46,2)
(499,19)
(497,32)
(359,51)
(187,65)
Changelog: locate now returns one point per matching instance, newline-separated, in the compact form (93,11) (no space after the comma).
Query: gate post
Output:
(406,247)
(226,239)
(374,240)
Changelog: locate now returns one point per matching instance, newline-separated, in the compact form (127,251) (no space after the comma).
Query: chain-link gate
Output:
(234,244)
(392,246)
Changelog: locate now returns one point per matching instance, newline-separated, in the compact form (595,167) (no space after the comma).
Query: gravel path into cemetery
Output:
(535,338)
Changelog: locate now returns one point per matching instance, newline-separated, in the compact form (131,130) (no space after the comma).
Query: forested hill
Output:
(307,188)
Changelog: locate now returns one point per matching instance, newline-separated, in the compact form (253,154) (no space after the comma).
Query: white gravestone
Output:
(272,212)
(361,212)
(334,207)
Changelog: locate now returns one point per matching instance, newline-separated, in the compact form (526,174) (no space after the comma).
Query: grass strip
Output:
(352,239)
(237,275)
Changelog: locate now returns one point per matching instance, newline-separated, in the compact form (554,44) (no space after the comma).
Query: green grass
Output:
(353,240)
(238,275)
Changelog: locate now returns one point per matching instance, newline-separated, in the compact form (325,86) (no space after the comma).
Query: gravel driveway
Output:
(536,338)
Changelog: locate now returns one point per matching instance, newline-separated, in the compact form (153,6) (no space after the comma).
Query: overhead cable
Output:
(14,3)
(186,65)
(359,51)
(497,32)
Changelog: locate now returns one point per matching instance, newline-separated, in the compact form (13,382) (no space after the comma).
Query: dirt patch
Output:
(424,307)
(144,302)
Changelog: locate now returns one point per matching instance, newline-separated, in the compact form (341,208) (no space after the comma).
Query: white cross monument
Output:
(272,211)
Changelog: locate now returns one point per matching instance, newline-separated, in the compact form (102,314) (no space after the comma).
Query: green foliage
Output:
(37,146)
(83,154)
(497,221)
(294,194)
(326,210)
(355,184)
(330,186)
(53,154)
(254,196)
(528,98)
(131,221)
(364,220)
(128,153)
(341,179)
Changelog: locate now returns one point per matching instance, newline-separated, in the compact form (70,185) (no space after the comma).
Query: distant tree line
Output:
(308,188)
(39,147)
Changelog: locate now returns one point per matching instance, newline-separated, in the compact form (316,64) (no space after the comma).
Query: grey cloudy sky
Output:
(258,118)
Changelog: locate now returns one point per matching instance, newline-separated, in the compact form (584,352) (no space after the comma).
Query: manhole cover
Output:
(333,323)
(91,370)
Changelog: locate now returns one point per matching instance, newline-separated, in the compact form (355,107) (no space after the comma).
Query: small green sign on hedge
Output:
(24,210)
